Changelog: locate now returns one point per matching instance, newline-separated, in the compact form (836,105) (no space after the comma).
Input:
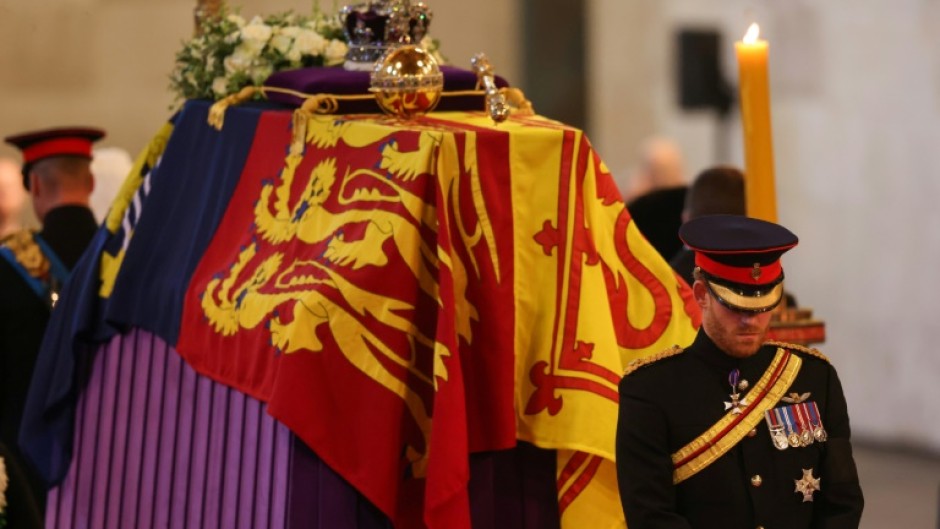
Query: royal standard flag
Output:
(401,294)
(595,296)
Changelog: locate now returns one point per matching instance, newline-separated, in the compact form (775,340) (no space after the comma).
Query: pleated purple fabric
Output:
(159,446)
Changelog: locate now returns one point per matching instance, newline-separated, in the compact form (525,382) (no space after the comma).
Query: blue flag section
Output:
(190,187)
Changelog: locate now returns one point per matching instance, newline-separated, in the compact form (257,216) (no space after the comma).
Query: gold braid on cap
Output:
(640,362)
(801,348)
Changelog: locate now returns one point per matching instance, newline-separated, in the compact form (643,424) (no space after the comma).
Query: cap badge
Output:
(755,272)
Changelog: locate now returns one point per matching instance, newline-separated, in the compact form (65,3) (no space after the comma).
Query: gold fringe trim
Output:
(801,348)
(640,362)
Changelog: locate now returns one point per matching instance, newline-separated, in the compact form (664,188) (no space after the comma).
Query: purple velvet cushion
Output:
(325,80)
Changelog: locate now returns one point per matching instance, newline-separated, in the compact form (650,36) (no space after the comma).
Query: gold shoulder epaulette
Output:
(27,252)
(640,362)
(801,348)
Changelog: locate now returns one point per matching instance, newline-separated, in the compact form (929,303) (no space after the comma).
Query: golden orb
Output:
(407,81)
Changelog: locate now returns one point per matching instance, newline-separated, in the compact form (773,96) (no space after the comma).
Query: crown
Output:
(373,27)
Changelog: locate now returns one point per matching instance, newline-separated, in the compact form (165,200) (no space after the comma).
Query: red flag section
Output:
(362,287)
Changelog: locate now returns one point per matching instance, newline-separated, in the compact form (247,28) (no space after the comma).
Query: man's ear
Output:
(35,186)
(700,291)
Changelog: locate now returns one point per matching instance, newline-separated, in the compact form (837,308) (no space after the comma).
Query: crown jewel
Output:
(375,26)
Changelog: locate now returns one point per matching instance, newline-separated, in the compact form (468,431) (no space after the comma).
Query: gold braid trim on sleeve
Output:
(640,362)
(801,348)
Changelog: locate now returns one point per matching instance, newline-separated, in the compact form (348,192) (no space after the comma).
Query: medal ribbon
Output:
(772,418)
(819,432)
(806,428)
(791,427)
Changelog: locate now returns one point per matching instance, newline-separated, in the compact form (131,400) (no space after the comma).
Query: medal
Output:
(793,435)
(816,422)
(776,430)
(736,400)
(807,485)
(802,419)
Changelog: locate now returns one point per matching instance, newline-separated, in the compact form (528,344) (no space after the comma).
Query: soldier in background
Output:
(35,266)
(655,195)
(717,190)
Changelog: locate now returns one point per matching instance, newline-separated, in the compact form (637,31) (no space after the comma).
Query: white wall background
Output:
(855,88)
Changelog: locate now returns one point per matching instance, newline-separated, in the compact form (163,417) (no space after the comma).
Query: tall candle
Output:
(760,191)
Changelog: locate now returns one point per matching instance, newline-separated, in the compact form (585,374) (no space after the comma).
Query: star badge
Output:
(735,404)
(807,485)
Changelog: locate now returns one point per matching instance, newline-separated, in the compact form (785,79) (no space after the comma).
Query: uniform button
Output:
(756,480)
(760,527)
(752,433)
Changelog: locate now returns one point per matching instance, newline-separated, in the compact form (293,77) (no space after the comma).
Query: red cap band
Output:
(57,147)
(756,275)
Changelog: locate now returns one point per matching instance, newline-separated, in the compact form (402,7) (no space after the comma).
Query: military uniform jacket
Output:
(669,402)
(24,314)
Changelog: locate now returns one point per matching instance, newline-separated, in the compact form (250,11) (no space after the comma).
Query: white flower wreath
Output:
(231,53)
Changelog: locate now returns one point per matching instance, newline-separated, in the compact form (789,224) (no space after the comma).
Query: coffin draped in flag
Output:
(401,294)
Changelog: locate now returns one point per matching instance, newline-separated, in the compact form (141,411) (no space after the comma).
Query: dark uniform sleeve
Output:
(840,494)
(644,464)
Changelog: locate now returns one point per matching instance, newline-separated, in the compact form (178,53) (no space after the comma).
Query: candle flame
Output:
(753,32)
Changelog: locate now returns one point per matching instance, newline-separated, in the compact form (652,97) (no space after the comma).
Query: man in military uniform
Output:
(733,432)
(34,266)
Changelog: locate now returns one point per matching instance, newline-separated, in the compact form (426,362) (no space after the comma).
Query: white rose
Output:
(238,61)
(219,85)
(260,72)
(236,19)
(309,43)
(256,33)
(290,31)
(281,43)
(335,52)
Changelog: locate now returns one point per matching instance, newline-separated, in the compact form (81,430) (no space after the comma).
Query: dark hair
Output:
(716,190)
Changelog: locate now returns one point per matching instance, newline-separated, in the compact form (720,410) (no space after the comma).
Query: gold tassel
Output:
(517,99)
(217,110)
